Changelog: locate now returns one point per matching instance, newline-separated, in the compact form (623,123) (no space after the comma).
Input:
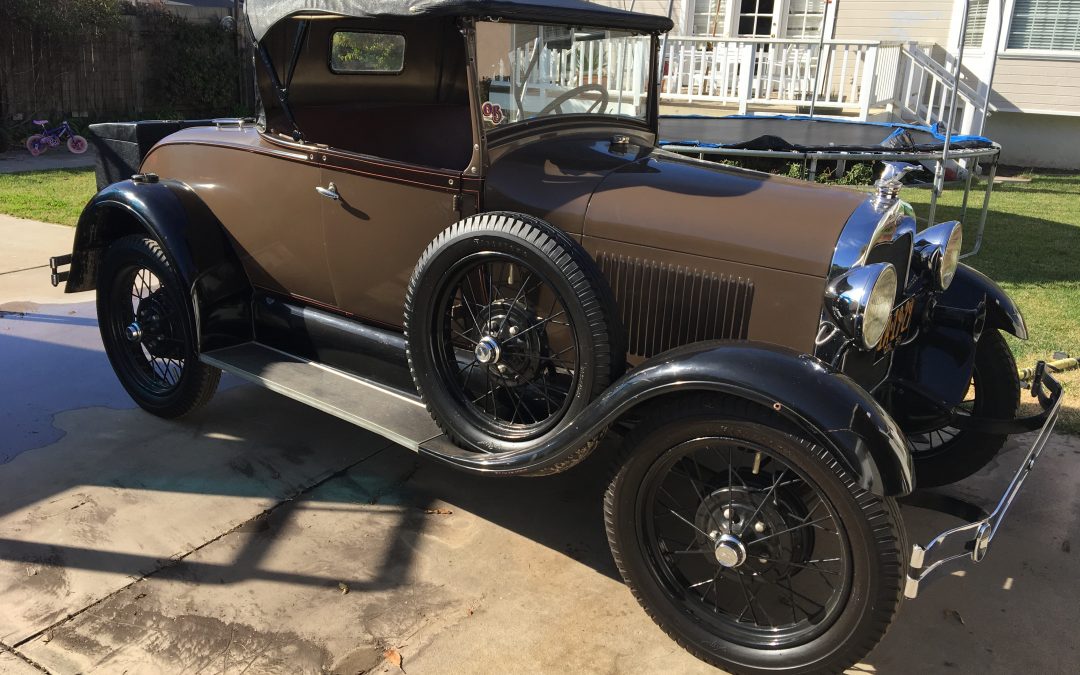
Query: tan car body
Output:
(634,203)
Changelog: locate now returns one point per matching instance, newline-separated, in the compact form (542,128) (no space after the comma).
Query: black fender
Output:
(194,240)
(939,362)
(970,287)
(829,407)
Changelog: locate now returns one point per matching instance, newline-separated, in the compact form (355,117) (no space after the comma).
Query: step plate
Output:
(397,416)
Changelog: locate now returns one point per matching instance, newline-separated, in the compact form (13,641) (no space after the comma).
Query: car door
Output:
(378,217)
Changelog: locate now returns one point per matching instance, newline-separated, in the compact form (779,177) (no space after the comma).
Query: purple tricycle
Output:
(51,138)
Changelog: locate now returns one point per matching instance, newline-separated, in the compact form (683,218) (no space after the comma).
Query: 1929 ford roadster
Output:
(451,225)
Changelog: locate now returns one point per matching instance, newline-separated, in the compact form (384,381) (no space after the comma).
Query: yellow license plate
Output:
(899,323)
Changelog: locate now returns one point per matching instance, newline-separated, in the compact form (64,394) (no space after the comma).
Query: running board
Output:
(396,415)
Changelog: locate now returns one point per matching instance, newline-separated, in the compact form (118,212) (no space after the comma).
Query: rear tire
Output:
(811,525)
(35,146)
(148,329)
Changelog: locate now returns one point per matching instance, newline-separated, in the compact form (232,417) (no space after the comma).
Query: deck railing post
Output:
(747,52)
(869,78)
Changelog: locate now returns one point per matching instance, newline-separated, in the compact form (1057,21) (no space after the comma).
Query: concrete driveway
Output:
(261,536)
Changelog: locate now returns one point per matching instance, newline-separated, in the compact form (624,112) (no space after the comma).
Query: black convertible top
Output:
(265,13)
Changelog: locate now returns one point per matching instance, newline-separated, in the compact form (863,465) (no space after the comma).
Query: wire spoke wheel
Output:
(944,453)
(507,344)
(743,541)
(510,331)
(148,329)
(147,322)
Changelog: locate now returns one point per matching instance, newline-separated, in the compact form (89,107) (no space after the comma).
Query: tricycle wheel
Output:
(148,330)
(749,544)
(946,454)
(510,329)
(35,145)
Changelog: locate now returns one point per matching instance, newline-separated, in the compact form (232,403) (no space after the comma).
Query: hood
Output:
(672,202)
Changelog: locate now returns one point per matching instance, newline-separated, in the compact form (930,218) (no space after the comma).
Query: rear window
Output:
(369,53)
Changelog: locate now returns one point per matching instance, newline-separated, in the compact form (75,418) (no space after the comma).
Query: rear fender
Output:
(827,406)
(194,240)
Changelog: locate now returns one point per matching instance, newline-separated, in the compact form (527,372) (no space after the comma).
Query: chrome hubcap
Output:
(487,350)
(729,551)
(134,332)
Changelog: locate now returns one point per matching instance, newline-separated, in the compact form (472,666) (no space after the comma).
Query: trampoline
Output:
(815,140)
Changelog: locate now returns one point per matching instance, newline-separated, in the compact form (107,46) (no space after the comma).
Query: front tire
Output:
(749,544)
(946,454)
(148,329)
(76,145)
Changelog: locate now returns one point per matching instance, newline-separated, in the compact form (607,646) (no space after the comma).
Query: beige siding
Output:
(918,20)
(1048,141)
(1037,85)
(651,7)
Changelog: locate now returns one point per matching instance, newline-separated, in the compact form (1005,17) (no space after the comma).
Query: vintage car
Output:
(451,224)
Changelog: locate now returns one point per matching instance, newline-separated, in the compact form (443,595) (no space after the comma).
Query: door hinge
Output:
(456,203)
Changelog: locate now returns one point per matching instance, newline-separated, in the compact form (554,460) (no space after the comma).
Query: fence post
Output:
(746,75)
(869,78)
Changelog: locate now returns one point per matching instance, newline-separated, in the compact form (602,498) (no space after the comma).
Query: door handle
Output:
(330,191)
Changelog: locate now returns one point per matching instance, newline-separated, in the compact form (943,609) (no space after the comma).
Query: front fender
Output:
(194,240)
(970,287)
(828,406)
(941,359)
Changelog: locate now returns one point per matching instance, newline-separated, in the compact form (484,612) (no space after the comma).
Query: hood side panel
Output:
(553,178)
(674,203)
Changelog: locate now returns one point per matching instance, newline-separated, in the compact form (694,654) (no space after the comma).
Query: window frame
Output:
(1005,51)
(367,73)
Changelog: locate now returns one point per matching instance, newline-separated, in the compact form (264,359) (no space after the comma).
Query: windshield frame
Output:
(649,123)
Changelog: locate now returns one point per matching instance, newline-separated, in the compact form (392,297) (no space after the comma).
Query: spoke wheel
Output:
(944,454)
(749,544)
(760,557)
(507,345)
(511,331)
(147,327)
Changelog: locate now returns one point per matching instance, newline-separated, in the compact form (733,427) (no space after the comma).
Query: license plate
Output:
(897,328)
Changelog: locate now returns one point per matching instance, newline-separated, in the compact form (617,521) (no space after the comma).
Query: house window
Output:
(1047,25)
(755,18)
(976,24)
(805,18)
(709,17)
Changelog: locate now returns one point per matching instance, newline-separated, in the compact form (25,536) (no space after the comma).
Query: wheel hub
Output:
(729,551)
(487,350)
(133,332)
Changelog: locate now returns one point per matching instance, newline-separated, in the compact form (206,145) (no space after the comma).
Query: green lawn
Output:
(56,196)
(1032,248)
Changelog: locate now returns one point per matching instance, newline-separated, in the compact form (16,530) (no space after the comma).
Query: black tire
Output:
(867,573)
(947,455)
(160,368)
(480,291)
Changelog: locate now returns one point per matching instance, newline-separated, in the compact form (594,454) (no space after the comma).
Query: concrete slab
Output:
(29,244)
(11,664)
(14,161)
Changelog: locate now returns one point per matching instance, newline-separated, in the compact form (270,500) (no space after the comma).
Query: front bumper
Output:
(971,541)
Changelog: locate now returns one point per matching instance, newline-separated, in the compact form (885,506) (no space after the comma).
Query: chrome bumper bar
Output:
(972,540)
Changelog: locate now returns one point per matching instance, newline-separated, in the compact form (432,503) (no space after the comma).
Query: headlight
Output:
(938,250)
(861,301)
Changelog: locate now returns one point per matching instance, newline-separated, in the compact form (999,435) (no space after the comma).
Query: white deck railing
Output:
(851,77)
(854,75)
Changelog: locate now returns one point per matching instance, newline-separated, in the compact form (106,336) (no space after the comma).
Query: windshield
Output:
(528,70)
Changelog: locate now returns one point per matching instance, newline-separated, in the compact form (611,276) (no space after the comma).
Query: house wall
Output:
(903,20)
(659,7)
(1046,141)
(1036,85)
